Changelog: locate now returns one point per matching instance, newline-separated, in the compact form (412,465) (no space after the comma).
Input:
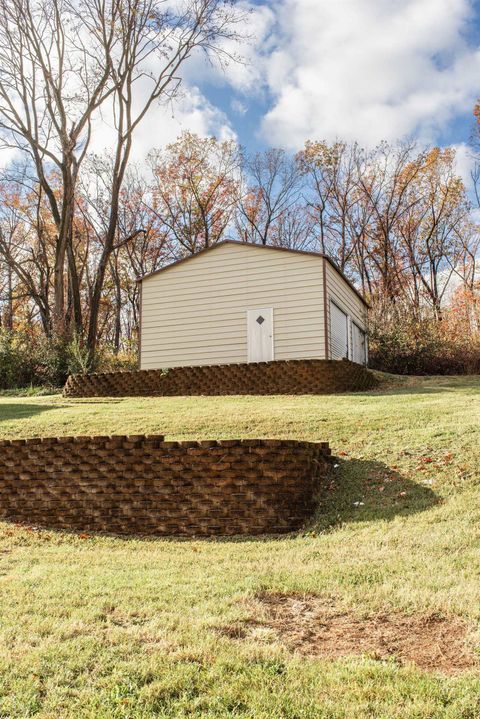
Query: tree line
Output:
(397,220)
(78,226)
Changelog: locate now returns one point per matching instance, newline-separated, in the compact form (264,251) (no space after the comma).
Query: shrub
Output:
(29,358)
(18,360)
(125,360)
(403,343)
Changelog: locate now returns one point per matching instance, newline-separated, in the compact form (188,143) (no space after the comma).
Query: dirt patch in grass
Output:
(316,626)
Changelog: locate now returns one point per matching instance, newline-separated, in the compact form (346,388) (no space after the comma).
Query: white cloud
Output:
(192,112)
(164,123)
(368,70)
(464,162)
(247,74)
(161,126)
(7,155)
(361,70)
(238,107)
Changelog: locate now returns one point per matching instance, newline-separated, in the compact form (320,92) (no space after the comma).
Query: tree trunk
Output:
(118,308)
(9,313)
(75,290)
(65,231)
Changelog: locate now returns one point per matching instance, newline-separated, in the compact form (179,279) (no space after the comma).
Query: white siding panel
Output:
(195,312)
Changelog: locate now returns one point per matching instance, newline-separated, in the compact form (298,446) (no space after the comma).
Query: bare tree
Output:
(272,188)
(136,254)
(294,229)
(52,79)
(195,189)
(26,252)
(61,62)
(336,201)
(430,229)
(8,228)
(385,176)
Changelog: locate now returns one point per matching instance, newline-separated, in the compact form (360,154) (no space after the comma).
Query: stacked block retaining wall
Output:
(142,484)
(259,378)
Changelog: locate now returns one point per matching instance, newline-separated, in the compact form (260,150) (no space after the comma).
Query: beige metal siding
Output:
(347,300)
(196,312)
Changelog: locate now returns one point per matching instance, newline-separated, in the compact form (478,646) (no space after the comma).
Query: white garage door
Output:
(338,332)
(260,334)
(359,345)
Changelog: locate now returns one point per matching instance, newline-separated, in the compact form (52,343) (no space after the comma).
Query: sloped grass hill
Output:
(100,627)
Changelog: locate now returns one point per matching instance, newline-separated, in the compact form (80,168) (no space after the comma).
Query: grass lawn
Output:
(107,628)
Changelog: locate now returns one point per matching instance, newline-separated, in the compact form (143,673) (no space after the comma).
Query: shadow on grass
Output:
(365,491)
(20,410)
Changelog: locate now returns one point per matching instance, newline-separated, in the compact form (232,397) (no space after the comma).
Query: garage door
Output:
(338,332)
(359,345)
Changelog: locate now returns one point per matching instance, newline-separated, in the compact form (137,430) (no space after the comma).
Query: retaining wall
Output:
(259,378)
(142,484)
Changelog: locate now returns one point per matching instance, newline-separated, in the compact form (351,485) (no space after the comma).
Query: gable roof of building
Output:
(189,258)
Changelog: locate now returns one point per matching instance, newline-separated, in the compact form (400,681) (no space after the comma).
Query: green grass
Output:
(107,628)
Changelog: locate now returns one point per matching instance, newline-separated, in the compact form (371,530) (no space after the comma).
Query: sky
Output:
(356,70)
(359,70)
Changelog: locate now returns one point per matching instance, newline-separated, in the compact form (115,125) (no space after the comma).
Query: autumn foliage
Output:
(396,219)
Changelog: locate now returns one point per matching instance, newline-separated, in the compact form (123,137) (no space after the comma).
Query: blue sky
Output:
(362,70)
(357,70)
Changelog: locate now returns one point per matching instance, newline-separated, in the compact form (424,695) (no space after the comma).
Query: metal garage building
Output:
(240,302)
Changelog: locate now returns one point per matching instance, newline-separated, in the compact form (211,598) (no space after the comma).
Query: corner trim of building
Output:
(325,309)
(139,362)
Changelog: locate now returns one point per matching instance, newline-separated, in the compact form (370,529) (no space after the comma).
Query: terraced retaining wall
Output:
(142,484)
(258,378)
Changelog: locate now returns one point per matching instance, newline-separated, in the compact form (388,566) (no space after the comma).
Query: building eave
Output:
(321,255)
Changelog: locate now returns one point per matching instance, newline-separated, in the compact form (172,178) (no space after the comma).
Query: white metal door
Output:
(338,332)
(359,345)
(260,334)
